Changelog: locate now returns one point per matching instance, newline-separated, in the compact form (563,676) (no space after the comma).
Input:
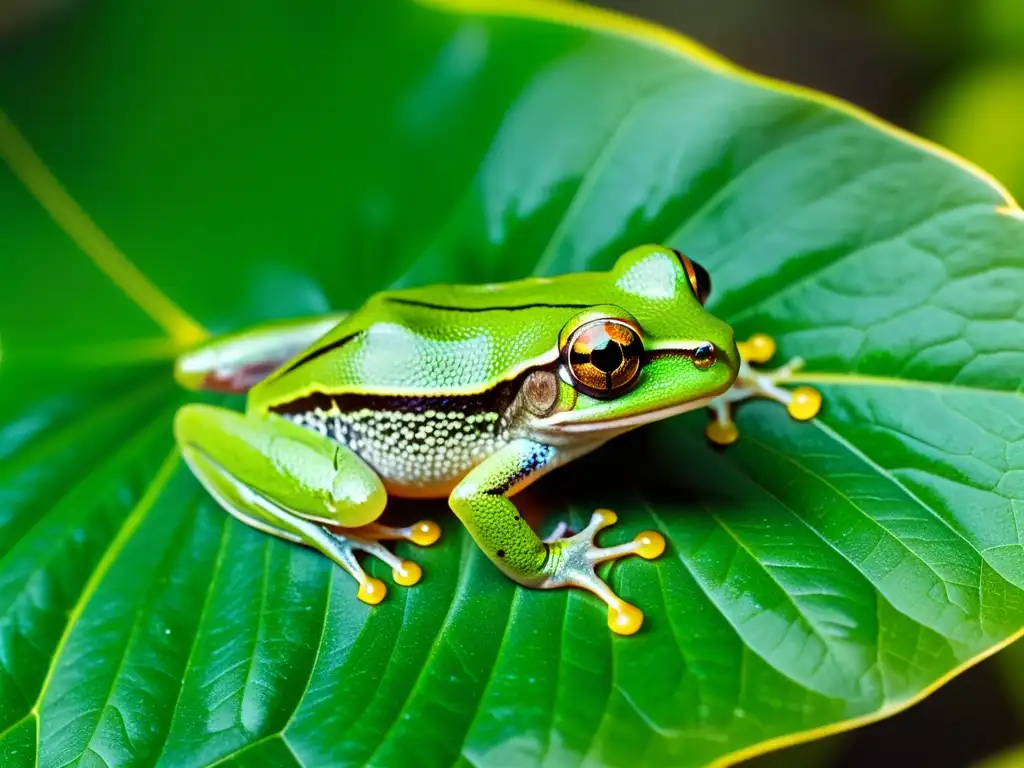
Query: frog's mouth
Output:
(563,423)
(651,397)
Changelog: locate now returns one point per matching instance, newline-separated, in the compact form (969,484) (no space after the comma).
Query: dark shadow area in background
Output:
(843,47)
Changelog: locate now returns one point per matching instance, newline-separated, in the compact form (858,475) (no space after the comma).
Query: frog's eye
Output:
(603,357)
(700,280)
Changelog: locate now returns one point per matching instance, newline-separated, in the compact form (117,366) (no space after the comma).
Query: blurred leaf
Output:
(931,25)
(1011,664)
(1010,758)
(255,162)
(819,753)
(979,114)
(999,26)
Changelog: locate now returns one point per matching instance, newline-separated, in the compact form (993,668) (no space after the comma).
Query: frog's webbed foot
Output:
(367,538)
(802,402)
(572,562)
(338,544)
(257,510)
(561,528)
(371,590)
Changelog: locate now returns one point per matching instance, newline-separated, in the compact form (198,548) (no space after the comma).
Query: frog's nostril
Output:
(704,355)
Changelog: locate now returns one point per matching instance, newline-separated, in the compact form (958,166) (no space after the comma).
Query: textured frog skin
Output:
(462,339)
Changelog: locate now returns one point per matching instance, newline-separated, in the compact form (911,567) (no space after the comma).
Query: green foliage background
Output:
(260,164)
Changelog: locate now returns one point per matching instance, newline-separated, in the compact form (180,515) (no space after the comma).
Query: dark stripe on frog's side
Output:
(495,400)
(508,308)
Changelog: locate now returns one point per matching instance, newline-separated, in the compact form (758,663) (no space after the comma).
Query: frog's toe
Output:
(558,532)
(405,572)
(371,590)
(625,619)
(721,433)
(804,403)
(574,559)
(759,348)
(649,545)
(422,534)
(721,430)
(342,550)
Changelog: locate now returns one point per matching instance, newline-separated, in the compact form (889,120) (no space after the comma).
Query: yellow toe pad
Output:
(372,591)
(652,544)
(805,404)
(759,348)
(424,533)
(722,434)
(408,574)
(625,619)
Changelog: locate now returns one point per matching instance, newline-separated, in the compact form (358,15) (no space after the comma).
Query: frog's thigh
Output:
(284,480)
(236,362)
(295,468)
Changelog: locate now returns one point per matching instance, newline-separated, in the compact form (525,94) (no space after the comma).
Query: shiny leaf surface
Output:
(174,167)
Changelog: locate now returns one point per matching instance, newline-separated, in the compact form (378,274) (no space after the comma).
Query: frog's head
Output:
(651,352)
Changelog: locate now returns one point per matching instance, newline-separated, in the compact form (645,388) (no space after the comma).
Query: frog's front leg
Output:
(481,502)
(297,485)
(802,403)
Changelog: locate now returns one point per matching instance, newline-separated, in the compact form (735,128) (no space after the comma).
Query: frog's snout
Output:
(719,349)
(730,355)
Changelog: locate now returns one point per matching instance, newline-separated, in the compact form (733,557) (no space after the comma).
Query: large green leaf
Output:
(256,162)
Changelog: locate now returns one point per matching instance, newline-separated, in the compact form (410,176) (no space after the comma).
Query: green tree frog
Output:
(465,392)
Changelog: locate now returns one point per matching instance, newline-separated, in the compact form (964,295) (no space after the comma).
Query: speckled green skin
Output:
(449,390)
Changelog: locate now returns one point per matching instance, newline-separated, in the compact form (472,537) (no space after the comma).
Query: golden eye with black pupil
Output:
(700,280)
(603,357)
(704,356)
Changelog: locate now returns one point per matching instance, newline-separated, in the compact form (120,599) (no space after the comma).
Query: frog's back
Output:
(441,340)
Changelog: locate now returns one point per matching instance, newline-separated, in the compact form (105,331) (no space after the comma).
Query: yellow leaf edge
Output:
(651,35)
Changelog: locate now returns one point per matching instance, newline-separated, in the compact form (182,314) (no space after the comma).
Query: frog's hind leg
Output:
(292,483)
(238,361)
(422,534)
(257,511)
